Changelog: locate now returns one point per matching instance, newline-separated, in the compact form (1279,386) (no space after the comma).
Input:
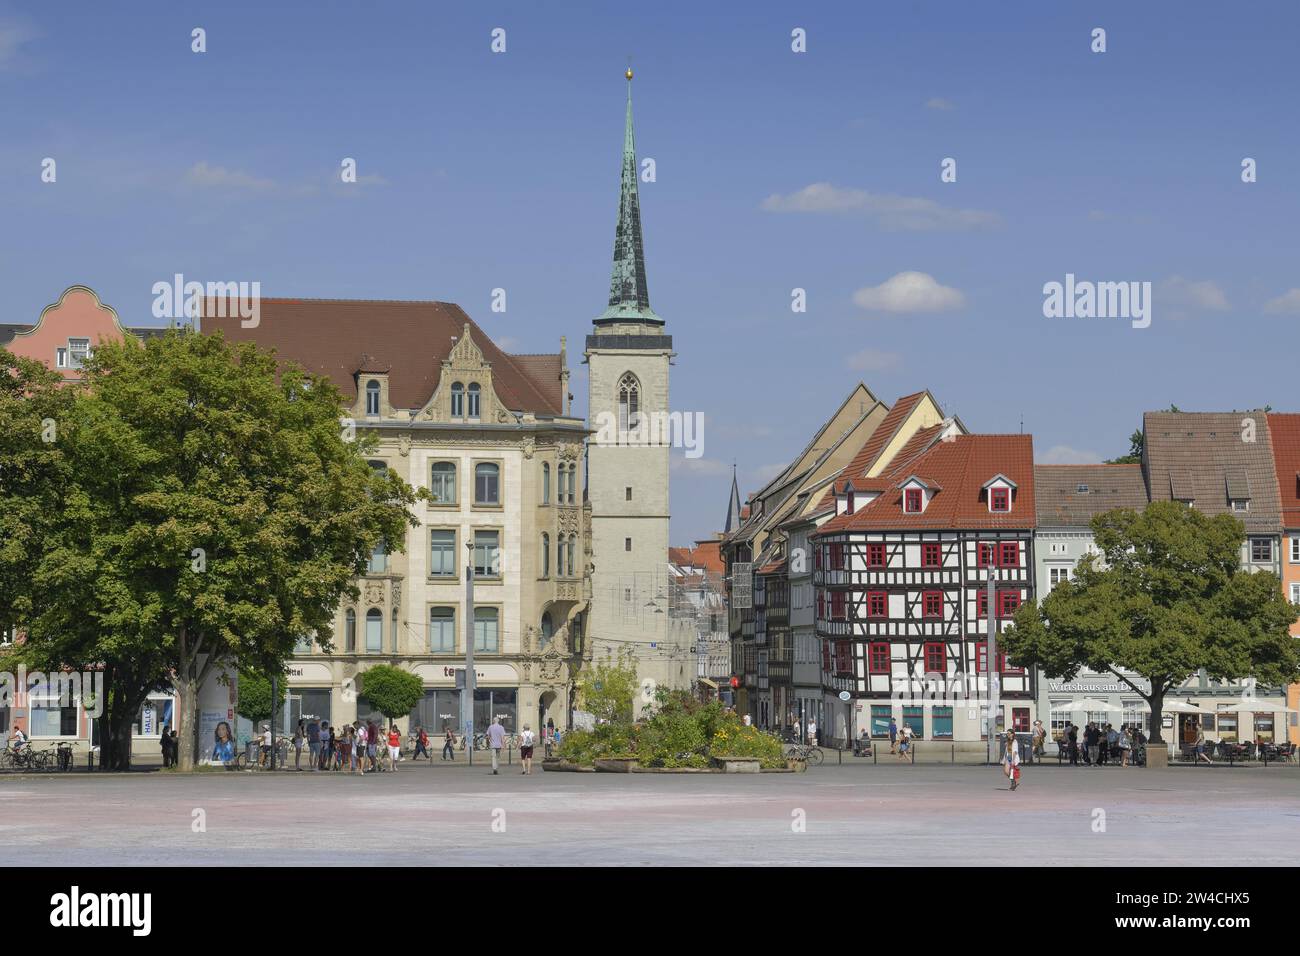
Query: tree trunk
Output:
(187,715)
(1157,702)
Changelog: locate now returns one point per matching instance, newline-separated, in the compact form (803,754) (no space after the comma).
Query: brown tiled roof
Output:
(1070,496)
(1284,430)
(705,554)
(867,455)
(544,369)
(1193,455)
(960,467)
(336,337)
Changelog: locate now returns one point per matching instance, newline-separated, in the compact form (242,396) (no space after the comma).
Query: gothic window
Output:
(546,482)
(457,400)
(629,403)
(573,481)
(374,630)
(350,631)
(473,399)
(546,555)
(573,541)
(372,397)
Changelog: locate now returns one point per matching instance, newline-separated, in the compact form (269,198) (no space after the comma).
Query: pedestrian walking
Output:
(345,748)
(323,744)
(372,745)
(1011,760)
(422,745)
(394,745)
(812,732)
(526,749)
(1090,738)
(1072,743)
(496,739)
(313,743)
(904,742)
(1039,739)
(448,743)
(1200,745)
(893,736)
(299,735)
(361,740)
(1125,746)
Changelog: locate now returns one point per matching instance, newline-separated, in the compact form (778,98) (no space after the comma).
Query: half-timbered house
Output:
(901,576)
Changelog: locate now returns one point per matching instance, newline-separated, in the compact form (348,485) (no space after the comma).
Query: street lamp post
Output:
(467,698)
(991,658)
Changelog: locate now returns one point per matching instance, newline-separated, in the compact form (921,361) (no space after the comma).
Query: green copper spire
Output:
(629,296)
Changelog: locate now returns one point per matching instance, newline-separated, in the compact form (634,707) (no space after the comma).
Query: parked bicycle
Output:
(813,755)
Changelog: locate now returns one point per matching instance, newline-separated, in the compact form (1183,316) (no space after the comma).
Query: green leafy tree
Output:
(608,688)
(210,511)
(255,703)
(392,691)
(1172,600)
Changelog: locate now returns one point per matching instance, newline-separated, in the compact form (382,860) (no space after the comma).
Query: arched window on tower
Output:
(629,404)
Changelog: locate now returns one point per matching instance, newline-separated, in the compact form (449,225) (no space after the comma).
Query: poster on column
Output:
(217,700)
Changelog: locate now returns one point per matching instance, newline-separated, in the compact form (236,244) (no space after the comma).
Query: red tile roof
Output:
(705,554)
(337,337)
(959,467)
(1285,429)
(861,463)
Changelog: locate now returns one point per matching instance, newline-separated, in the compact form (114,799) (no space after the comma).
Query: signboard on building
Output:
(742,584)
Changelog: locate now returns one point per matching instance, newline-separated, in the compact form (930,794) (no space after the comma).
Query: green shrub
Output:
(672,738)
(584,748)
(734,739)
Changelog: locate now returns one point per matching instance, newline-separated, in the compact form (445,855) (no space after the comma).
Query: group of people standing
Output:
(1102,743)
(359,747)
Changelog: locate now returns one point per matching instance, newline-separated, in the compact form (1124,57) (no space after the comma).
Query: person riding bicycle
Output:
(18,739)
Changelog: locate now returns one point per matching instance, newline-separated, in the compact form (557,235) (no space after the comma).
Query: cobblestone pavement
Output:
(859,814)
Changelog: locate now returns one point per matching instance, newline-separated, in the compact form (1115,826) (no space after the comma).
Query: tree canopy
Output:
(392,691)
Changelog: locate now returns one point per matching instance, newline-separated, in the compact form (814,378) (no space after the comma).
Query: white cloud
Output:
(12,37)
(874,360)
(219,177)
(1182,293)
(939,103)
(910,292)
(1065,455)
(705,467)
(902,213)
(1288,303)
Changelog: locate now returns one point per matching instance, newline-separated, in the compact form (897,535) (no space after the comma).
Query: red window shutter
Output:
(879,658)
(843,657)
(982,555)
(912,500)
(875,555)
(932,604)
(931,556)
(936,658)
(1010,556)
(877,604)
(1001,499)
(837,605)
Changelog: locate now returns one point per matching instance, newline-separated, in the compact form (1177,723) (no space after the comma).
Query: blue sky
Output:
(484,170)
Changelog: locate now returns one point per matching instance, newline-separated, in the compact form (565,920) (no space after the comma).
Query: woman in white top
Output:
(526,742)
(360,747)
(1012,760)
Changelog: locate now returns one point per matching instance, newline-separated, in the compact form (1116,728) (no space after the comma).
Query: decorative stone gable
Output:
(466,367)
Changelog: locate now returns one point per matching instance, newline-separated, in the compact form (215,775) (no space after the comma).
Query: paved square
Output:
(859,814)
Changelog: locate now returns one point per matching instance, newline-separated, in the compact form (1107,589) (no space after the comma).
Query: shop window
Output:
(941,723)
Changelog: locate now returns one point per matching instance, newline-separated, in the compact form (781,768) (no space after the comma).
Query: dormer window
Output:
(913,500)
(1240,504)
(372,397)
(473,399)
(848,502)
(1000,499)
(457,400)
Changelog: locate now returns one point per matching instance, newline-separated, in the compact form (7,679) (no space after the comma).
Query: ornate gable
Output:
(465,392)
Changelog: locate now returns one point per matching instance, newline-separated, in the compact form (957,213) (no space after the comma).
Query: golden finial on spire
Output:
(628,74)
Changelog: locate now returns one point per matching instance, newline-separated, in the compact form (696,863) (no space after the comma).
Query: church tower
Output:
(628,356)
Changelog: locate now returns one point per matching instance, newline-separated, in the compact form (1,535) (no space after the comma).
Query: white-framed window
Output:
(442,482)
(78,352)
(8,634)
(487,554)
(1295,549)
(1057,575)
(442,630)
(372,397)
(60,358)
(442,553)
(487,483)
(1261,550)
(374,630)
(46,717)
(487,629)
(1240,504)
(1136,712)
(1295,593)
(1060,716)
(457,400)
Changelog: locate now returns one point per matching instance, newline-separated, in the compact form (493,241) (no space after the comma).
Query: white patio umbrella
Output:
(1258,705)
(1087,704)
(1184,707)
